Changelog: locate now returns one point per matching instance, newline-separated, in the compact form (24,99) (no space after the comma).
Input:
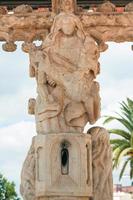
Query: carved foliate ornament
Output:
(22,9)
(9,46)
(27,46)
(106,7)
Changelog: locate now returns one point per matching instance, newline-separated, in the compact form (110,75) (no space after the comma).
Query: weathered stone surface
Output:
(44,174)
(23,9)
(31,106)
(45,153)
(112,27)
(102,164)
(9,46)
(65,68)
(58,6)
(3,10)
(63,163)
(32,26)
(27,187)
(27,46)
(24,27)
(106,7)
(62,180)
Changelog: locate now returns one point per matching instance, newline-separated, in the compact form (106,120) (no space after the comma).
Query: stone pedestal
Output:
(63,164)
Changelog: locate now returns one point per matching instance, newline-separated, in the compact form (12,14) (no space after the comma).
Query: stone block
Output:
(63,166)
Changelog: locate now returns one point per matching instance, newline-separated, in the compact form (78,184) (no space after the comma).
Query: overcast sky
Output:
(17,127)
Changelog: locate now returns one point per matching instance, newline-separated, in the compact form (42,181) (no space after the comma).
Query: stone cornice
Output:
(116,27)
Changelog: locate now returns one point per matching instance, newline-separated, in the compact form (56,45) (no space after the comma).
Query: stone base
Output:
(63,166)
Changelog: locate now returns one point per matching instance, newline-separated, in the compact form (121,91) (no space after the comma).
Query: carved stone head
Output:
(67,23)
(68,6)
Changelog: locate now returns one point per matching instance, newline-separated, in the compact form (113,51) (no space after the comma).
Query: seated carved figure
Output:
(71,60)
(65,67)
(54,112)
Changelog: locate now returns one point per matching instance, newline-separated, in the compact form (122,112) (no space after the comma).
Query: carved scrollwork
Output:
(22,9)
(9,46)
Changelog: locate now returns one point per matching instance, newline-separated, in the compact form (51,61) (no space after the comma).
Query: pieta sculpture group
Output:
(65,67)
(63,162)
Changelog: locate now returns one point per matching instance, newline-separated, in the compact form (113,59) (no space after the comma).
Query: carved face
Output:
(68,26)
(67,5)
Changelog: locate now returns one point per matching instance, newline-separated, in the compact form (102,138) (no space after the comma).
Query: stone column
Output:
(61,163)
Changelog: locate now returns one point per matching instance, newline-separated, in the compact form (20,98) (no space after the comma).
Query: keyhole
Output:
(64,157)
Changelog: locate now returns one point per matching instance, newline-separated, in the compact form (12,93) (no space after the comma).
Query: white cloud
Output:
(16,135)
(13,70)
(15,86)
(117,62)
(15,107)
(113,94)
(15,141)
(116,78)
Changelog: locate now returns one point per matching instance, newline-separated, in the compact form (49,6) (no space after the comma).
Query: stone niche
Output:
(62,166)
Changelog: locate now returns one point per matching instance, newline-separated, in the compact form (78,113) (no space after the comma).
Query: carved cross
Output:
(31,26)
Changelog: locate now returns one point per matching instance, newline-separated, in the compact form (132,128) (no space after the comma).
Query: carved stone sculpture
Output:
(106,7)
(66,66)
(64,5)
(63,163)
(31,106)
(102,168)
(27,187)
(9,46)
(23,9)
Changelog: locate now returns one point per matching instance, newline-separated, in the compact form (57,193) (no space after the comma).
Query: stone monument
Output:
(63,162)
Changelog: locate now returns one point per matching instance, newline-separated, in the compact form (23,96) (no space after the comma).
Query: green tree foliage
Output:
(7,189)
(123,145)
